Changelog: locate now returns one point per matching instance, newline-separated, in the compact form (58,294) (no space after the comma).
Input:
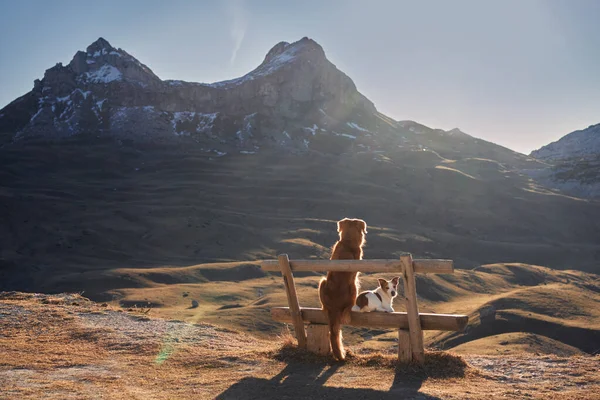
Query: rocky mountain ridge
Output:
(574,163)
(578,144)
(295,100)
(104,90)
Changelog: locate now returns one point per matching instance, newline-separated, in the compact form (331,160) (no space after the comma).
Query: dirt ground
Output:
(65,346)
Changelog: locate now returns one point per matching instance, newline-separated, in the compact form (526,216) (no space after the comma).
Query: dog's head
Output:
(352,228)
(390,287)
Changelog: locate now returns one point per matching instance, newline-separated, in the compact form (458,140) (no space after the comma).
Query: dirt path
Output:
(62,347)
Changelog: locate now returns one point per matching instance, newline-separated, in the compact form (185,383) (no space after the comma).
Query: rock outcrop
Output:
(574,163)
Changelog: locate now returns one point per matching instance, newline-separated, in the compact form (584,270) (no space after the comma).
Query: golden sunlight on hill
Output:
(65,346)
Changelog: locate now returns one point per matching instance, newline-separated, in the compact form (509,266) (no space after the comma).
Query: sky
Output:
(520,73)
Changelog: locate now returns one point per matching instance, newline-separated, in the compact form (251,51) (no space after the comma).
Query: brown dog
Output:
(338,291)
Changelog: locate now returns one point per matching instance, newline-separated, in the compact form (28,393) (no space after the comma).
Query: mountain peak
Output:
(304,45)
(103,63)
(455,131)
(276,50)
(99,45)
(281,57)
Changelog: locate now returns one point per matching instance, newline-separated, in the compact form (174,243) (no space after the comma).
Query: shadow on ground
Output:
(306,381)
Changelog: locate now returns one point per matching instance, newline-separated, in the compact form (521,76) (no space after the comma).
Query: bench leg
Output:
(404,347)
(412,309)
(318,339)
(290,290)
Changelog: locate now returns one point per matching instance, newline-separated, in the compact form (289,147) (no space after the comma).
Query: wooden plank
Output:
(429,322)
(290,290)
(317,337)
(412,309)
(404,349)
(433,266)
(388,266)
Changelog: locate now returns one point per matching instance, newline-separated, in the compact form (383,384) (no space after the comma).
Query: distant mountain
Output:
(295,100)
(579,144)
(106,91)
(574,163)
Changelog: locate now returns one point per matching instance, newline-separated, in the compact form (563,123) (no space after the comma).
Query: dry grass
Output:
(65,346)
(437,364)
(561,306)
(517,343)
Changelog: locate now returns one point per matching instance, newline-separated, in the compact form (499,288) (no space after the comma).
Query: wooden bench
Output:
(410,324)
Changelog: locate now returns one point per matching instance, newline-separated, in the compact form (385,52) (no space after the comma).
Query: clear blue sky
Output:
(521,73)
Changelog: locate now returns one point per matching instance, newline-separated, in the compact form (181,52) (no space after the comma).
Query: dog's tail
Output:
(335,334)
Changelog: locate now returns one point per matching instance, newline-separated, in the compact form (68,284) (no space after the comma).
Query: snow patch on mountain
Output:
(312,130)
(352,137)
(188,122)
(36,114)
(245,133)
(357,127)
(105,74)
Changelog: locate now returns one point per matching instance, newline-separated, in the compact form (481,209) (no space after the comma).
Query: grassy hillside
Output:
(65,346)
(89,206)
(561,306)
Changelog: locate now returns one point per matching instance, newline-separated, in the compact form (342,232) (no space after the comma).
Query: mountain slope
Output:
(578,144)
(107,166)
(575,163)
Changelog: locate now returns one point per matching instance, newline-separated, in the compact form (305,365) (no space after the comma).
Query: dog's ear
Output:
(395,280)
(382,282)
(341,225)
(362,225)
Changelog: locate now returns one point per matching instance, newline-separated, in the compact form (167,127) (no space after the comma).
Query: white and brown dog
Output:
(379,299)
